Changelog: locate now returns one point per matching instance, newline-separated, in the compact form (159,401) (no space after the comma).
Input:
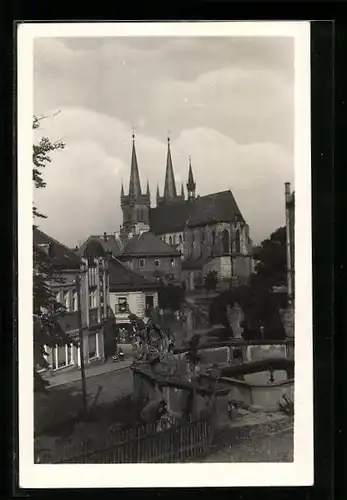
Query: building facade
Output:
(130,293)
(96,315)
(154,259)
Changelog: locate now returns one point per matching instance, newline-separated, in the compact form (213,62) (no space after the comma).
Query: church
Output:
(209,231)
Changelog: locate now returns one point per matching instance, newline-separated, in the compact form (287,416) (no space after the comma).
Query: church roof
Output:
(108,242)
(134,183)
(123,279)
(146,244)
(170,184)
(209,209)
(59,255)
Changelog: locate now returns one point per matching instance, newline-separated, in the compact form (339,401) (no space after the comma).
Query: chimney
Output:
(287,191)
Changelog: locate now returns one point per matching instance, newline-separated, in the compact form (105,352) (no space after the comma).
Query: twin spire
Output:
(170,192)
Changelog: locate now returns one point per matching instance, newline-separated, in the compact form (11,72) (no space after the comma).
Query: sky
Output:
(226,101)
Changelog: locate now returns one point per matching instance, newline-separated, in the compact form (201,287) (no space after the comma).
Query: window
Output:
(66,301)
(57,298)
(157,263)
(181,239)
(174,239)
(142,262)
(170,240)
(122,305)
(74,301)
(172,262)
(92,299)
(237,241)
(92,345)
(225,241)
(61,356)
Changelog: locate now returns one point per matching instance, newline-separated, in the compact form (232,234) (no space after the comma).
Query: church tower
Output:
(135,205)
(170,192)
(191,183)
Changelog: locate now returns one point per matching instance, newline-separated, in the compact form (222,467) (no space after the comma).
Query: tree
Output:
(210,281)
(46,310)
(171,296)
(271,256)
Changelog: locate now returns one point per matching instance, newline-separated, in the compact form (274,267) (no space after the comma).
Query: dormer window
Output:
(45,247)
(157,262)
(142,262)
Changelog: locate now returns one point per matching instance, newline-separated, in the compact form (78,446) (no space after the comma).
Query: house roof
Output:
(209,209)
(69,321)
(59,254)
(146,244)
(123,279)
(108,242)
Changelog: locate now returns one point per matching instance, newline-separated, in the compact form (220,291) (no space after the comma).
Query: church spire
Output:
(182,191)
(191,183)
(134,184)
(122,190)
(147,189)
(170,185)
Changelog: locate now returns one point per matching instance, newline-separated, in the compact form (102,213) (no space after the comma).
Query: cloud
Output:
(83,180)
(243,88)
(227,101)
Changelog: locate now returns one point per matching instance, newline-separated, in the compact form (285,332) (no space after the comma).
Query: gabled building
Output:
(96,316)
(151,257)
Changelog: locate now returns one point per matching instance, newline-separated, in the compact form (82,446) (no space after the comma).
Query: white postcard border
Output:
(298,473)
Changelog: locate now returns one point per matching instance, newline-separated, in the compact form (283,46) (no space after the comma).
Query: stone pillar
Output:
(235,317)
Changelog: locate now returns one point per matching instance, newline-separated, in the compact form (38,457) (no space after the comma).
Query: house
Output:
(128,293)
(150,256)
(96,315)
(209,231)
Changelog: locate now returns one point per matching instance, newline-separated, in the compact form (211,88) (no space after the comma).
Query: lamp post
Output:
(80,335)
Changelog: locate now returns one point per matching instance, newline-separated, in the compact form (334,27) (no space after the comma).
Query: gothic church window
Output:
(170,240)
(237,241)
(225,241)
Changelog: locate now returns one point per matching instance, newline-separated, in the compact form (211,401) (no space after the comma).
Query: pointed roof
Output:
(147,244)
(182,190)
(170,185)
(209,209)
(147,190)
(58,254)
(158,195)
(122,190)
(191,182)
(134,184)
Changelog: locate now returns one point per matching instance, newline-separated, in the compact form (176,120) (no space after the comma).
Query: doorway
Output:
(149,302)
